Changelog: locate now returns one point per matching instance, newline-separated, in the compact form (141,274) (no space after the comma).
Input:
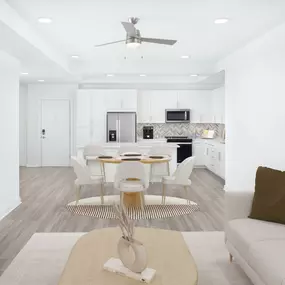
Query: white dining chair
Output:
(180,177)
(84,177)
(163,151)
(131,177)
(129,148)
(95,150)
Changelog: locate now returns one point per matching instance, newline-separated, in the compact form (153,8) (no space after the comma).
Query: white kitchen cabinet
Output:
(129,100)
(199,102)
(92,107)
(83,108)
(119,100)
(83,119)
(198,149)
(160,101)
(98,118)
(218,105)
(215,158)
(152,105)
(144,101)
(220,162)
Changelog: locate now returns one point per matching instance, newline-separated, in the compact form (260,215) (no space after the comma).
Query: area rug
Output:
(153,209)
(43,258)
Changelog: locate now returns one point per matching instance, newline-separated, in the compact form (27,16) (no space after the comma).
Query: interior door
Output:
(55,132)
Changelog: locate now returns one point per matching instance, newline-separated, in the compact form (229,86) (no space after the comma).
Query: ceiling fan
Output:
(134,38)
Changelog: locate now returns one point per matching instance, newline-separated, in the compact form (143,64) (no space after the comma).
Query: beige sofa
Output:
(257,246)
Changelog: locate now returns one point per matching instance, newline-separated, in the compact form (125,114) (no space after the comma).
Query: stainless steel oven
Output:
(185,146)
(177,115)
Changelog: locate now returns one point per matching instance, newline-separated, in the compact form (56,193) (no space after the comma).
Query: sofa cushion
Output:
(243,233)
(260,243)
(269,197)
(267,259)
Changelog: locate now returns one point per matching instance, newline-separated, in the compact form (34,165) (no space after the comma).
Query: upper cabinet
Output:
(153,103)
(92,106)
(160,101)
(218,105)
(144,101)
(199,102)
(120,99)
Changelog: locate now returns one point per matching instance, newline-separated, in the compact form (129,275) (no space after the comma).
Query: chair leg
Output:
(103,171)
(168,168)
(102,193)
(150,174)
(121,199)
(142,201)
(163,194)
(187,194)
(231,258)
(77,193)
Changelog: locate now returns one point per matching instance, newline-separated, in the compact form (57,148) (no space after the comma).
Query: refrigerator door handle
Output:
(117,130)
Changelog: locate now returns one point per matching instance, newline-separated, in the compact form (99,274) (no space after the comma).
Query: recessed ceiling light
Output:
(221,21)
(194,75)
(41,80)
(184,56)
(75,56)
(45,20)
(142,75)
(24,73)
(110,75)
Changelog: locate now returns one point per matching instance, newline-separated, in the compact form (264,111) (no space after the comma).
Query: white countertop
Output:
(148,144)
(214,141)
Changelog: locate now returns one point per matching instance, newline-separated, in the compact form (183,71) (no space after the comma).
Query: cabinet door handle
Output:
(207,151)
(219,156)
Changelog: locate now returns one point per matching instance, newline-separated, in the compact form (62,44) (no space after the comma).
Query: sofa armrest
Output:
(238,204)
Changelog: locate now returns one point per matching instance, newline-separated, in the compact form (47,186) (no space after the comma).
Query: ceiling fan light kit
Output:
(134,39)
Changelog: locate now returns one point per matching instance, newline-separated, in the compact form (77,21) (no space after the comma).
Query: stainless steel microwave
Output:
(177,115)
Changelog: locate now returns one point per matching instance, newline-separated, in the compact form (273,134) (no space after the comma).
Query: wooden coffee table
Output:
(167,253)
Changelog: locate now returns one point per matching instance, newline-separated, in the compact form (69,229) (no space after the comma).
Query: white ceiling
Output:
(80,24)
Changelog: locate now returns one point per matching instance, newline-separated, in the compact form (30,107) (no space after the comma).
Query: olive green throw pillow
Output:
(269,197)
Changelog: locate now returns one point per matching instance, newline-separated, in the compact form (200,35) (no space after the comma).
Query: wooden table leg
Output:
(132,199)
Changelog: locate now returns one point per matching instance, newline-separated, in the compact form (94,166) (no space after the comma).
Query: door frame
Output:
(42,100)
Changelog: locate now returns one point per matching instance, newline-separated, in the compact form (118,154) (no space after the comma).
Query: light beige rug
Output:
(42,260)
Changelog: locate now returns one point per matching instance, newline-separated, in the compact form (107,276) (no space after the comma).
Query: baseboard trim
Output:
(33,165)
(11,208)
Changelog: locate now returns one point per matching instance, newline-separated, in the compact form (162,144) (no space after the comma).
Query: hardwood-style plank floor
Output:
(46,191)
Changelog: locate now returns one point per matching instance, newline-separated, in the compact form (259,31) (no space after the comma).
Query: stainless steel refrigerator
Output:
(121,127)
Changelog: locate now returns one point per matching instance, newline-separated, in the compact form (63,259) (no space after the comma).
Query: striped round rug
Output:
(150,211)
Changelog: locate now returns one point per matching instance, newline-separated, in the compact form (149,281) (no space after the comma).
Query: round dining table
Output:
(132,199)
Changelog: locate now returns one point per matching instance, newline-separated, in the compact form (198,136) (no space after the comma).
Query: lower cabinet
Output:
(211,155)
(199,153)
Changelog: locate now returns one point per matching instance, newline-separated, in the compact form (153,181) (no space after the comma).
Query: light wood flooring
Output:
(46,191)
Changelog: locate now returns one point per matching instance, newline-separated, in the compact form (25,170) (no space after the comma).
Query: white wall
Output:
(255,108)
(23,97)
(9,126)
(36,92)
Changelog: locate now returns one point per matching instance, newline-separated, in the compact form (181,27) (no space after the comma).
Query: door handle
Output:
(43,137)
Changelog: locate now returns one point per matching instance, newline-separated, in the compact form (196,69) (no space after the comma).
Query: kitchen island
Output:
(112,149)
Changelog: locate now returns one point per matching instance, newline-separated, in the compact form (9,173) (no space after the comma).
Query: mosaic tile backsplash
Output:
(180,129)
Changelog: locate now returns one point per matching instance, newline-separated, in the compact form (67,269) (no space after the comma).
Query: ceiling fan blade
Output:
(159,41)
(110,43)
(130,29)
